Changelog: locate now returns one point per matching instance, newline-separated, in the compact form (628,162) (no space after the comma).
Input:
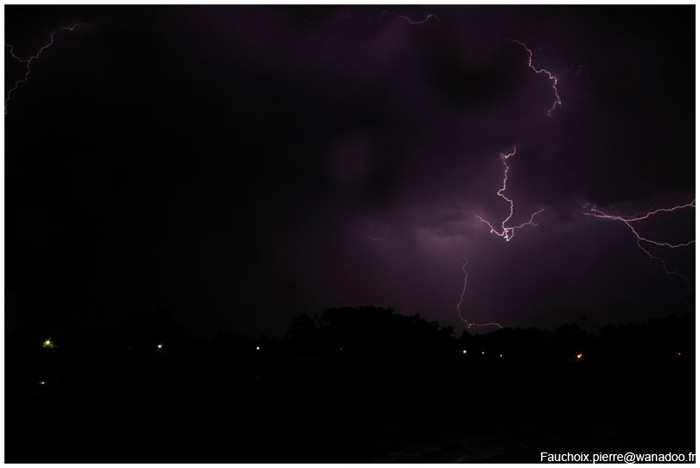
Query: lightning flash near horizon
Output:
(28,61)
(466,322)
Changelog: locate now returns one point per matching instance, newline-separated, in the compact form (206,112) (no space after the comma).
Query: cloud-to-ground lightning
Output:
(466,322)
(595,212)
(550,75)
(29,60)
(413,22)
(508,233)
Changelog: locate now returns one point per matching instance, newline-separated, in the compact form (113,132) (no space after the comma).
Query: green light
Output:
(41,383)
(48,344)
(160,346)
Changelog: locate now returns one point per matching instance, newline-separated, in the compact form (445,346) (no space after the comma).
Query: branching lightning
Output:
(508,233)
(550,75)
(28,61)
(641,240)
(467,323)
(503,229)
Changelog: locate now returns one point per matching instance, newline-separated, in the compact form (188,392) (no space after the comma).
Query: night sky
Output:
(239,165)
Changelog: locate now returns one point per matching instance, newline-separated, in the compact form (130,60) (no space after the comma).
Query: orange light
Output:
(579,356)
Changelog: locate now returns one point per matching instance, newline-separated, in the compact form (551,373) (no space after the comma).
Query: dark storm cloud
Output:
(268,160)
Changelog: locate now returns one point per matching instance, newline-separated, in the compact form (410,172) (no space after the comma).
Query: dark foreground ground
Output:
(479,413)
(177,404)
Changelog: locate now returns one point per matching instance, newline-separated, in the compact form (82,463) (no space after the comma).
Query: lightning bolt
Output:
(410,21)
(508,233)
(550,75)
(29,60)
(467,323)
(595,212)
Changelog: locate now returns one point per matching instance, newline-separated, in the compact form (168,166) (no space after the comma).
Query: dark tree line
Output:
(346,374)
(367,334)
